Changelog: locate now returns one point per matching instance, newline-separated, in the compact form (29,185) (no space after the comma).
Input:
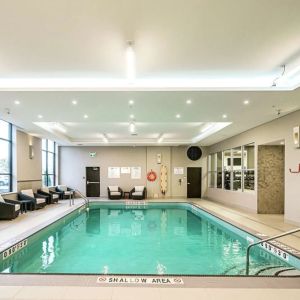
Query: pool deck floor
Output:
(85,287)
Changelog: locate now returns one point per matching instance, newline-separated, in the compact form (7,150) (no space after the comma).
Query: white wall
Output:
(74,160)
(279,129)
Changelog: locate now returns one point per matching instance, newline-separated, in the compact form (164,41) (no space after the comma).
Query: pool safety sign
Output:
(15,248)
(140,280)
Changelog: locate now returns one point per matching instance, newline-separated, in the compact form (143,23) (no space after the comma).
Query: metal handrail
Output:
(86,200)
(266,240)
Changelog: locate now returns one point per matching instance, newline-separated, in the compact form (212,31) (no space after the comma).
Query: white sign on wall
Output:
(136,172)
(113,172)
(178,170)
(125,170)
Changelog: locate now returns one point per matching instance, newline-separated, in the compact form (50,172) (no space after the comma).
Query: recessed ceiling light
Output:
(74,102)
(131,102)
(246,102)
(178,116)
(131,116)
(17,102)
(224,116)
(188,101)
(282,143)
(40,116)
(85,116)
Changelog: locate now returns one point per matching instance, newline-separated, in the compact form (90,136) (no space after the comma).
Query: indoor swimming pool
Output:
(153,238)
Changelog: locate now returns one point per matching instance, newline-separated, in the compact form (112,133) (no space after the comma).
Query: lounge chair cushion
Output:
(139,188)
(40,200)
(113,188)
(62,187)
(137,193)
(17,207)
(1,199)
(55,196)
(45,189)
(115,193)
(28,193)
(68,193)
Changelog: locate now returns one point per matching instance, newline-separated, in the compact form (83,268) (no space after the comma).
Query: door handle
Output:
(88,182)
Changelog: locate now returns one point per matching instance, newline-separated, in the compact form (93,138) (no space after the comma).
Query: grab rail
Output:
(86,200)
(266,240)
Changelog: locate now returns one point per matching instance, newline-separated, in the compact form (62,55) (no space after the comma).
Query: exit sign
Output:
(92,154)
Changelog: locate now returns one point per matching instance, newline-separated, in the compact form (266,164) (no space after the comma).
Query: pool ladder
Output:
(263,241)
(86,200)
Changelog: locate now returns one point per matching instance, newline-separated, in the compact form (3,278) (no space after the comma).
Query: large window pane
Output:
(45,182)
(4,130)
(237,168)
(50,163)
(248,166)
(44,162)
(5,157)
(5,183)
(50,180)
(44,144)
(51,146)
(227,169)
(219,170)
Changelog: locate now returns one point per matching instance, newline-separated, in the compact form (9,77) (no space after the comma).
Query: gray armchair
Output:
(37,200)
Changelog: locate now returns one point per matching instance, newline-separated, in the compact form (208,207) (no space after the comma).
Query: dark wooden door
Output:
(194,176)
(92,181)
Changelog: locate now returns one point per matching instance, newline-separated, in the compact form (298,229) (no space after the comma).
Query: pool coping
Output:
(190,281)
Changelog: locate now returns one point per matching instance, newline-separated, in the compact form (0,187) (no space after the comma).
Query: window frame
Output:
(47,151)
(10,156)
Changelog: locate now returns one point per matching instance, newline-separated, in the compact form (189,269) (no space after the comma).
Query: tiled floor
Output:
(266,224)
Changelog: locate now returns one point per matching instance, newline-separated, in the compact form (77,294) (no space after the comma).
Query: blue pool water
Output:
(157,239)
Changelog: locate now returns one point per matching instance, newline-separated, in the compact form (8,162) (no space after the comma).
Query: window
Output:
(5,157)
(48,162)
(248,167)
(227,169)
(233,169)
(212,170)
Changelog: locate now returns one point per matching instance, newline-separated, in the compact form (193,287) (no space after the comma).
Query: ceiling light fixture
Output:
(40,116)
(130,61)
(131,116)
(130,102)
(132,127)
(246,102)
(85,116)
(224,116)
(178,116)
(17,102)
(74,102)
(188,101)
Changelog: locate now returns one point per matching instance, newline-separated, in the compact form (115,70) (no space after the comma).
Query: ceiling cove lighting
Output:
(211,130)
(59,127)
(104,138)
(160,139)
(130,61)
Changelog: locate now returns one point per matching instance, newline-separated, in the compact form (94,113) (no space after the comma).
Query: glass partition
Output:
(227,168)
(219,170)
(249,167)
(237,168)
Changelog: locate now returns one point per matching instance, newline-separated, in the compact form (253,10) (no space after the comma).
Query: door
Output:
(92,181)
(194,182)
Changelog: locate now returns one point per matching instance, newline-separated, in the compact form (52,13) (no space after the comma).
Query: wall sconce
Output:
(31,153)
(296,136)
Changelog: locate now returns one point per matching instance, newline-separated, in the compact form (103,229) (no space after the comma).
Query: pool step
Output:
(271,270)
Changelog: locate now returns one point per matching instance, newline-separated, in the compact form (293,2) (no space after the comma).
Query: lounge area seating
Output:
(9,209)
(138,193)
(64,192)
(52,196)
(37,200)
(114,192)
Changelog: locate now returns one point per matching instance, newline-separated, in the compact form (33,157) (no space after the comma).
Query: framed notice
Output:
(136,172)
(113,172)
(178,170)
(125,170)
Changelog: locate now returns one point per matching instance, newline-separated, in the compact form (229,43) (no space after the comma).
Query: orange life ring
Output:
(151,176)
